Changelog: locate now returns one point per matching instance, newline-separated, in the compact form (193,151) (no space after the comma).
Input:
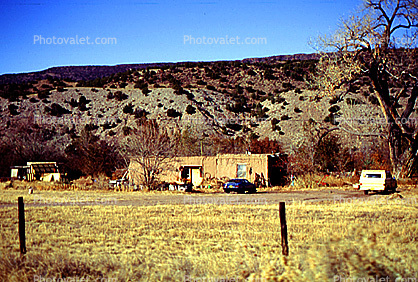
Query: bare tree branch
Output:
(151,149)
(363,46)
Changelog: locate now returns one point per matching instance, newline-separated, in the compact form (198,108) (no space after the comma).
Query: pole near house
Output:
(22,239)
(283,228)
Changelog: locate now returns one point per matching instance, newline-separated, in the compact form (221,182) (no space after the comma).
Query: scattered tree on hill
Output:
(56,110)
(145,91)
(173,113)
(233,125)
(120,96)
(13,109)
(82,103)
(140,84)
(190,109)
(128,109)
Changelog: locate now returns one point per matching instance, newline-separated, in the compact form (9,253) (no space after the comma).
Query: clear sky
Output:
(38,34)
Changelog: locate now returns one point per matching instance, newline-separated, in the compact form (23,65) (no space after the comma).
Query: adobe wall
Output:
(209,167)
(48,177)
(170,171)
(213,166)
(255,163)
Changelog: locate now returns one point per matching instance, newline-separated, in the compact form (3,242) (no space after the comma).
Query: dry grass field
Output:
(329,241)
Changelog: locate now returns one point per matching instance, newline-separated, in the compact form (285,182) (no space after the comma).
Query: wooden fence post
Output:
(283,228)
(22,239)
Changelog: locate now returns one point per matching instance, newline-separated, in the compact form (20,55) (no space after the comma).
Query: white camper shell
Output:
(377,180)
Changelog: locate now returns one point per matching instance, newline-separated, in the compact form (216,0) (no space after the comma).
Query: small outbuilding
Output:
(43,171)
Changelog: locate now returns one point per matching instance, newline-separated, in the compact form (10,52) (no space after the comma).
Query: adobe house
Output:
(271,167)
(44,171)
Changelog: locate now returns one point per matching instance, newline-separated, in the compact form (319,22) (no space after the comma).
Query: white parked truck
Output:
(377,180)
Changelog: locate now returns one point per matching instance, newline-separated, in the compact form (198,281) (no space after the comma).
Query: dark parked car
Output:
(239,186)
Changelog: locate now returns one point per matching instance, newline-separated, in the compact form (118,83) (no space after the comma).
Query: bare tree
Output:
(318,149)
(379,43)
(151,149)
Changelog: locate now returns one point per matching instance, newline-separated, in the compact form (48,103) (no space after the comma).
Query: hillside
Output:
(77,73)
(204,101)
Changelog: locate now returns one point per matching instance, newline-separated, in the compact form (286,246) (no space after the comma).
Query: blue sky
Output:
(158,31)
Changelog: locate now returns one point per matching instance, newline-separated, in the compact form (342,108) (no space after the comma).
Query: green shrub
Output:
(140,84)
(43,94)
(140,114)
(280,99)
(275,125)
(334,109)
(108,125)
(268,74)
(91,127)
(145,91)
(83,100)
(61,89)
(210,87)
(274,121)
(190,109)
(173,113)
(120,96)
(73,103)
(189,95)
(13,109)
(331,118)
(285,117)
(249,89)
(260,111)
(128,109)
(56,110)
(234,126)
(287,86)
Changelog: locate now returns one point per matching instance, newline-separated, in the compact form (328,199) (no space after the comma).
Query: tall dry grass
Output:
(312,181)
(344,239)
